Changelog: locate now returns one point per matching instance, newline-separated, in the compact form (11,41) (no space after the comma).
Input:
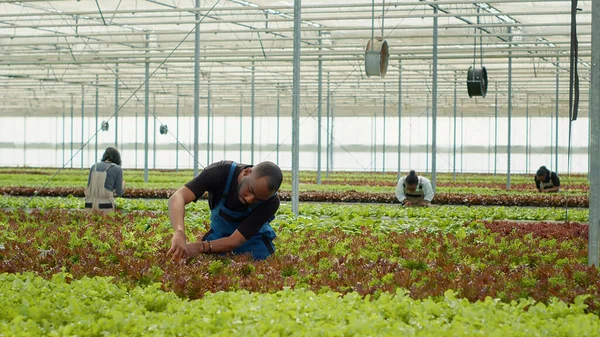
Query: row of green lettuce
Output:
(137,175)
(329,210)
(31,306)
(377,183)
(13,181)
(315,216)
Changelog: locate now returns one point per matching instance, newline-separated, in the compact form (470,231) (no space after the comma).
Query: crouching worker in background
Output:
(414,190)
(243,201)
(546,181)
(105,179)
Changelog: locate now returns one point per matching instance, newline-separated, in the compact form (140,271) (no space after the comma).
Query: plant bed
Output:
(540,200)
(62,306)
(474,261)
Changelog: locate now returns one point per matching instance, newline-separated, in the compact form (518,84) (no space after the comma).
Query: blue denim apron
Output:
(259,245)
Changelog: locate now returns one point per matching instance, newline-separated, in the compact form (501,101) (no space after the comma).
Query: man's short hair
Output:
(270,170)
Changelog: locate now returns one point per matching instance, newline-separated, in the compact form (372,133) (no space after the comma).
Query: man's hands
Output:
(179,249)
(195,248)
(425,203)
(407,203)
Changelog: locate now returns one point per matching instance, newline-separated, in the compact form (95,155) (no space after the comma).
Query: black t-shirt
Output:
(553,176)
(213,180)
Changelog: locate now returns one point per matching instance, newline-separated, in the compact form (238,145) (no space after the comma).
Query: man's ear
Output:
(246,172)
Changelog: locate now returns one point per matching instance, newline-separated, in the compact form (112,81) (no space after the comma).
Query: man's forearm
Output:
(176,213)
(222,245)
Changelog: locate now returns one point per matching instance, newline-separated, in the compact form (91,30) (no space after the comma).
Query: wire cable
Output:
(128,99)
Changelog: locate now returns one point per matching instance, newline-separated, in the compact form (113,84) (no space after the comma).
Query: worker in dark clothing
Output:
(105,179)
(243,201)
(546,181)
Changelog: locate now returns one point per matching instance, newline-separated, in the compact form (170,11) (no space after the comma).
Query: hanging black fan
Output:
(477,80)
(104,126)
(163,129)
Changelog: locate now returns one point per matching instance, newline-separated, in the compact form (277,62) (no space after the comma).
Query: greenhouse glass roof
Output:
(53,52)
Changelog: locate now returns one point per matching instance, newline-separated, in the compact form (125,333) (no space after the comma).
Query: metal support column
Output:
(589,145)
(212,138)
(399,120)
(527,135)
(63,135)
(154,133)
(278,117)
(509,111)
(196,87)
(594,204)
(374,142)
(551,142)
(177,131)
(331,137)
(208,161)
(319,112)
(328,129)
(136,138)
(97,130)
(449,153)
(146,109)
(252,102)
(489,145)
(384,121)
(496,132)
(56,154)
(462,138)
(72,127)
(82,118)
(116,105)
(556,119)
(295,108)
(25,141)
(241,133)
(409,143)
(434,99)
(427,136)
(454,133)
(224,138)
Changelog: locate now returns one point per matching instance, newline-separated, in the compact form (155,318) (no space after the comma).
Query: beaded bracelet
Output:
(209,247)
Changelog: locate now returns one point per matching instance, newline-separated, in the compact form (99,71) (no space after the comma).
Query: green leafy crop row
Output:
(336,182)
(325,211)
(31,306)
(427,257)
